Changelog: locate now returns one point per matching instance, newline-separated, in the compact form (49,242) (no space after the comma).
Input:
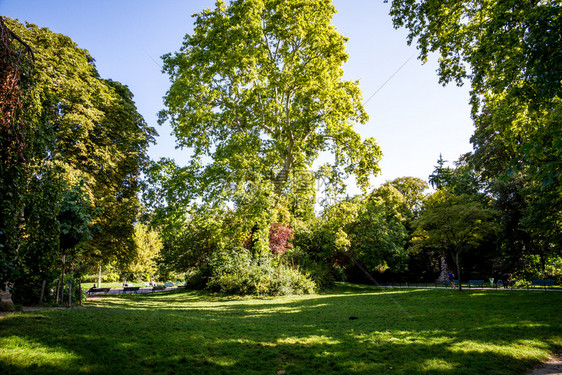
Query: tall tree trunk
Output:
(283,174)
(62,280)
(57,293)
(42,292)
(80,291)
(456,257)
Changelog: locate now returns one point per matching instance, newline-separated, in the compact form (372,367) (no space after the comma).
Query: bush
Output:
(236,272)
(292,281)
(197,278)
(321,273)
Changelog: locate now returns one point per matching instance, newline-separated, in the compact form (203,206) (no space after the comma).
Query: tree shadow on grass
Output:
(433,332)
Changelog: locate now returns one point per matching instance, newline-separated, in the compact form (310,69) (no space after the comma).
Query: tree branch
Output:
(27,48)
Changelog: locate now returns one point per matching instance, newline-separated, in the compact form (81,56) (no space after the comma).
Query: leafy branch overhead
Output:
(258,87)
(511,53)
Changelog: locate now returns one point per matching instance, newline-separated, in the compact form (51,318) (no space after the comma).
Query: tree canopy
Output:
(97,134)
(85,145)
(511,52)
(258,88)
(456,224)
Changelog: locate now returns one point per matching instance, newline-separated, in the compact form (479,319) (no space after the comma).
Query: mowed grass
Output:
(397,331)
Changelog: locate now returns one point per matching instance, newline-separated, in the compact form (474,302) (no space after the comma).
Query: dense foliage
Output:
(511,53)
(258,88)
(269,107)
(81,147)
(257,94)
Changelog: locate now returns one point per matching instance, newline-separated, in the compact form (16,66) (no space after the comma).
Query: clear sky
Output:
(413,118)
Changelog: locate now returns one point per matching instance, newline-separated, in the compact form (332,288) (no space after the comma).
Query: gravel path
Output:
(551,367)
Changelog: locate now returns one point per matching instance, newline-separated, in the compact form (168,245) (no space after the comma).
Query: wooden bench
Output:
(157,288)
(476,283)
(131,289)
(543,283)
(93,291)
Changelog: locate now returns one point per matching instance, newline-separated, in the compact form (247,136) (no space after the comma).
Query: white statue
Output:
(6,303)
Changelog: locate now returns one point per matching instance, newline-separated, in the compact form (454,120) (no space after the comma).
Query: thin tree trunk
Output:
(69,293)
(456,258)
(80,292)
(42,292)
(62,290)
(57,292)
(62,282)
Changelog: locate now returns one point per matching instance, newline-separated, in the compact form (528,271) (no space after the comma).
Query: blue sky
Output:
(412,117)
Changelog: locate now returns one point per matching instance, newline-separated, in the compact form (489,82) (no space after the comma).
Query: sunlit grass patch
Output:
(438,365)
(23,353)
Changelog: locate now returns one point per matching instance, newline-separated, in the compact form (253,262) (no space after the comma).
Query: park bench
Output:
(543,283)
(476,283)
(131,289)
(92,291)
(157,288)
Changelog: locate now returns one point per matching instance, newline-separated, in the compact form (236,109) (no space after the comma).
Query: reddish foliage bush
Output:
(279,237)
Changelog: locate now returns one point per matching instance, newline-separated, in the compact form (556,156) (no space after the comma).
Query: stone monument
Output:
(6,303)
(443,275)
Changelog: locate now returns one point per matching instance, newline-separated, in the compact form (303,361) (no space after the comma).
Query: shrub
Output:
(197,278)
(321,273)
(292,281)
(236,272)
(279,237)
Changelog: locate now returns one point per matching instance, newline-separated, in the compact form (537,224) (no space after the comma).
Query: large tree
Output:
(413,190)
(85,147)
(99,137)
(454,224)
(511,52)
(258,88)
(17,146)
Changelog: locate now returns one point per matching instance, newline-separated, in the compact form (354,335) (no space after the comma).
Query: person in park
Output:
(451,277)
(509,280)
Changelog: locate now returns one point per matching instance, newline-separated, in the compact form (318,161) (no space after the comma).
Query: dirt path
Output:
(551,367)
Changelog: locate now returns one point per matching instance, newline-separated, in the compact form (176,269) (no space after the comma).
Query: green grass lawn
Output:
(398,331)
